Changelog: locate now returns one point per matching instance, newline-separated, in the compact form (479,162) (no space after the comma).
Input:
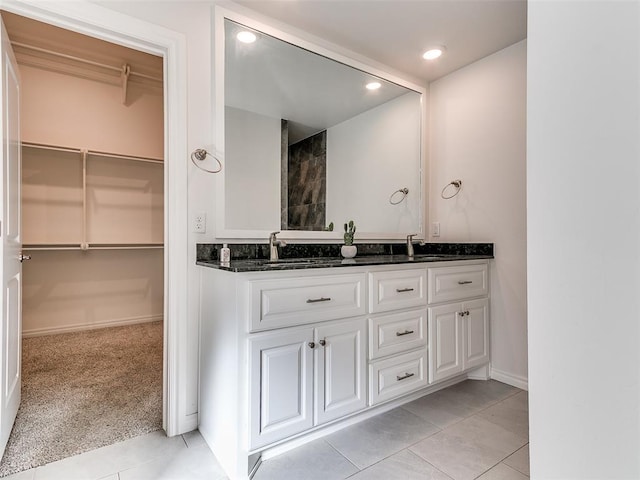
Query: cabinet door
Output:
(281,385)
(476,333)
(445,341)
(340,369)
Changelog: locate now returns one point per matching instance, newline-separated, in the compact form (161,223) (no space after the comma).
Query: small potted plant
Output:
(349,250)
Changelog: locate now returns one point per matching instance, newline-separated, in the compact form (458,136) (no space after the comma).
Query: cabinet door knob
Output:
(312,345)
(22,257)
(322,342)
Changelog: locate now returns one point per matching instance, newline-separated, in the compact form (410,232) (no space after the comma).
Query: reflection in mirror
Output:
(308,144)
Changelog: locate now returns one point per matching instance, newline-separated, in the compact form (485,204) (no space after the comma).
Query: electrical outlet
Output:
(435,229)
(200,222)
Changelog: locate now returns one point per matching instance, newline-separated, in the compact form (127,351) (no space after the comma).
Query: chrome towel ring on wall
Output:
(456,184)
(403,191)
(200,154)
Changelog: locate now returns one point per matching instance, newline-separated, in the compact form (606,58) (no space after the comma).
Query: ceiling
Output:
(42,45)
(397,32)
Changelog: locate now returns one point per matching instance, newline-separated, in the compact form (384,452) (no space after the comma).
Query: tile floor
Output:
(472,430)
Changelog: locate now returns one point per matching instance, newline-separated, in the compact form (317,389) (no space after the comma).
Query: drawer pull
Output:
(465,282)
(406,332)
(406,375)
(402,290)
(321,299)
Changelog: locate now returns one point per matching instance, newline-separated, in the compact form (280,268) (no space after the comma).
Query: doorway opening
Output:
(93,225)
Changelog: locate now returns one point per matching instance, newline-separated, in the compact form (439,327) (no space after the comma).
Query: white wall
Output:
(194,21)
(477,134)
(379,143)
(253,168)
(583,184)
(90,114)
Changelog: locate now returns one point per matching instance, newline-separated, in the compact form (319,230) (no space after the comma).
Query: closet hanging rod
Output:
(51,147)
(83,60)
(125,157)
(94,153)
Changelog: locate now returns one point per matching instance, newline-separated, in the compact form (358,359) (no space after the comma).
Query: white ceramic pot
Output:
(348,251)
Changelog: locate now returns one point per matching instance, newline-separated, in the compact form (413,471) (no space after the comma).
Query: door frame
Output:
(99,22)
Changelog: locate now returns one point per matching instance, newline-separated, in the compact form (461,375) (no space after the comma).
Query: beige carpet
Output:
(85,390)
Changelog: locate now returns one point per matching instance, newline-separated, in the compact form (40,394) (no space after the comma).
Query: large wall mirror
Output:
(311,141)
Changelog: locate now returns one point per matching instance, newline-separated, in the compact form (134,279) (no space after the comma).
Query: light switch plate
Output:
(435,229)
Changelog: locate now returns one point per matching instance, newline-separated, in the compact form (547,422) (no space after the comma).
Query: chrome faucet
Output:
(273,246)
(410,243)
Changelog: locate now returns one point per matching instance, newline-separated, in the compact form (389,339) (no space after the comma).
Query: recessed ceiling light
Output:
(433,52)
(246,36)
(373,85)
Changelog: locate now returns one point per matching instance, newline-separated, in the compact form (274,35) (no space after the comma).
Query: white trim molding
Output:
(510,379)
(100,22)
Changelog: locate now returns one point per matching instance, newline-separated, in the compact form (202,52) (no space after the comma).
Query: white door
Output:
(281,399)
(445,341)
(340,370)
(10,244)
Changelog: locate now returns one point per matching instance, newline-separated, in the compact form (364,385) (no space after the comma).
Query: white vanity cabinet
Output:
(458,319)
(285,354)
(305,377)
(397,337)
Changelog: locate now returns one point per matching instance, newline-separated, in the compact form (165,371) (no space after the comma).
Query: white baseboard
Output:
(188,423)
(79,327)
(510,379)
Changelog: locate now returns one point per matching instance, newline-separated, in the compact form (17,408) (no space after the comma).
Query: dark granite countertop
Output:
(263,265)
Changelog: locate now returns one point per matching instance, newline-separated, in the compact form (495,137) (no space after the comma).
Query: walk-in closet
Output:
(92,211)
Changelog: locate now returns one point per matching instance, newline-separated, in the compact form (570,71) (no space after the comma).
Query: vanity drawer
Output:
(397,333)
(397,289)
(297,301)
(457,283)
(396,376)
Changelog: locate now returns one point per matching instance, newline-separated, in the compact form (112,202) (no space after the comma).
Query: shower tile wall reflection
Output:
(307,186)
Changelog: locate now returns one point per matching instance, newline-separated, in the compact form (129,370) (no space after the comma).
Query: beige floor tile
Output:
(193,439)
(502,472)
(112,459)
(403,465)
(197,463)
(372,440)
(519,460)
(511,414)
(314,461)
(468,448)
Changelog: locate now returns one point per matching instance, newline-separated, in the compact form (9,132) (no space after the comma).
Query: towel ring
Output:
(403,191)
(200,154)
(457,184)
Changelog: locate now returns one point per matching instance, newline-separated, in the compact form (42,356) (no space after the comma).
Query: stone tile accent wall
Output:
(307,184)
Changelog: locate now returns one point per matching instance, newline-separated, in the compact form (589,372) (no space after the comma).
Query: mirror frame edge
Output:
(220,13)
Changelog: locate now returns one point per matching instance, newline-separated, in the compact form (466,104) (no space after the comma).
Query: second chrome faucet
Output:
(273,246)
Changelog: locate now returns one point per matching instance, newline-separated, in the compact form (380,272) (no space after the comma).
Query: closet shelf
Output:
(93,153)
(95,246)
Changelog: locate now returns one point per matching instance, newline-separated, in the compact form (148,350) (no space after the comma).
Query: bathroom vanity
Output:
(295,349)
